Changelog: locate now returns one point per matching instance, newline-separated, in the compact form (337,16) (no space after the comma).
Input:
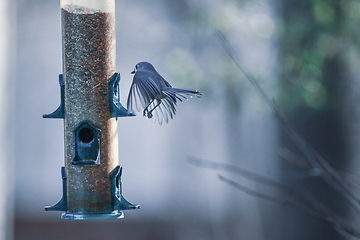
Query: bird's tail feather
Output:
(167,109)
(180,93)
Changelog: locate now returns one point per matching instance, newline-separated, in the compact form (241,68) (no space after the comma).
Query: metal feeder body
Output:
(90,106)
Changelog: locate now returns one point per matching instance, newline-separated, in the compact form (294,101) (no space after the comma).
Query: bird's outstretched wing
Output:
(142,91)
(167,109)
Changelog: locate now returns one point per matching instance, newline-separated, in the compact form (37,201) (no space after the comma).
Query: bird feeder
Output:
(90,106)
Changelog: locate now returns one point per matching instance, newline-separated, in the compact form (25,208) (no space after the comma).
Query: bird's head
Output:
(143,66)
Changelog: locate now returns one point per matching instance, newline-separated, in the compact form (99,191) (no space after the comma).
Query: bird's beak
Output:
(133,72)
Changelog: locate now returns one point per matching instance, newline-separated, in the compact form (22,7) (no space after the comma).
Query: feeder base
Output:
(92,216)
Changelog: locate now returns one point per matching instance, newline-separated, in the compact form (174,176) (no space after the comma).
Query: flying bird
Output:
(152,93)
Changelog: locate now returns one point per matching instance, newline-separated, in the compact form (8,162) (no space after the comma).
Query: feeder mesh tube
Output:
(88,48)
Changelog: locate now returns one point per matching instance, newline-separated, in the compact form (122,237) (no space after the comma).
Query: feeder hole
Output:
(86,135)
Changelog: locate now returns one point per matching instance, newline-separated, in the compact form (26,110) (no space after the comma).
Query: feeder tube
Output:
(88,48)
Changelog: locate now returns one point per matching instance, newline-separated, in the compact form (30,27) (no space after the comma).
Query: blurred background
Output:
(304,53)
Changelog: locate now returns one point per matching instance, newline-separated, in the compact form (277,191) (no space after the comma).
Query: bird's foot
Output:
(147,113)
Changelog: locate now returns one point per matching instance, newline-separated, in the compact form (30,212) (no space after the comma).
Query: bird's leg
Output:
(149,113)
(146,111)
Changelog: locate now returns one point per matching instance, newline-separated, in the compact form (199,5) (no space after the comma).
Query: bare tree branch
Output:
(304,196)
(301,200)
(318,163)
(339,224)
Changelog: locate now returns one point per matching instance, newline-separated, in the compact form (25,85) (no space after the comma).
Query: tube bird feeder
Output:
(90,106)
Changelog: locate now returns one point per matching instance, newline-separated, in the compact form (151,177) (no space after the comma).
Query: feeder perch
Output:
(90,106)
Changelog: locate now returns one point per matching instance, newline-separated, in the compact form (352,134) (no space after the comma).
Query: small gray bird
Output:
(150,91)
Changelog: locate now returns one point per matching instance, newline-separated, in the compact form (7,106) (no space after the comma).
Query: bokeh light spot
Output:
(262,25)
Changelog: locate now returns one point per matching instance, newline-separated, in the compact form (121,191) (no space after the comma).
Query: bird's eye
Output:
(137,66)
